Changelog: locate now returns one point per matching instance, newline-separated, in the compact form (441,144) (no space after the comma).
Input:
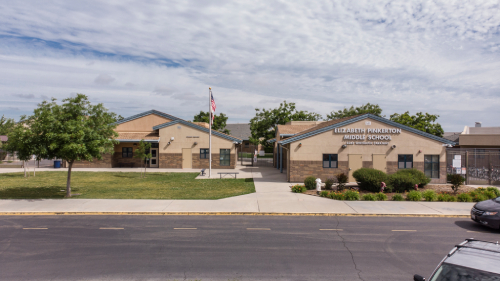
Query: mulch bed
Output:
(439,188)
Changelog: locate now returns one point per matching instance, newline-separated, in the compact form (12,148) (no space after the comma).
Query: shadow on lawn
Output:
(52,192)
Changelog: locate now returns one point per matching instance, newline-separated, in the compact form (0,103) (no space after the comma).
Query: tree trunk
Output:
(68,182)
(34,169)
(145,166)
(24,168)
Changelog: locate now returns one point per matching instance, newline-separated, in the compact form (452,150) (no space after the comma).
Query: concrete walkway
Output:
(272,196)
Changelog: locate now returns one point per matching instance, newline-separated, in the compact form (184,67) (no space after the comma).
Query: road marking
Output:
(480,231)
(185,228)
(333,229)
(35,228)
(404,230)
(110,227)
(258,229)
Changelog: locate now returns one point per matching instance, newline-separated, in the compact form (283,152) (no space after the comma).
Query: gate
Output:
(477,166)
(250,156)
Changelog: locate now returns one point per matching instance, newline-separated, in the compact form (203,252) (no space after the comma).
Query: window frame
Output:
(405,161)
(222,162)
(128,152)
(330,161)
(432,163)
(205,153)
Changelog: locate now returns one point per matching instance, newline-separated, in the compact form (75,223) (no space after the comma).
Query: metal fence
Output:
(477,165)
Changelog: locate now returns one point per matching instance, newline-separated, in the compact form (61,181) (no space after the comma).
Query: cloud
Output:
(25,96)
(104,79)
(437,57)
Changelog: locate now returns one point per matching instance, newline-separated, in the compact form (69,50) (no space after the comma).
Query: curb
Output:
(222,214)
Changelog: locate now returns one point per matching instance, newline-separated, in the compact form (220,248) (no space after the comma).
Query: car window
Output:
(450,272)
(497,199)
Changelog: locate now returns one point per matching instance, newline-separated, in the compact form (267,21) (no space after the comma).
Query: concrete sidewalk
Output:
(272,196)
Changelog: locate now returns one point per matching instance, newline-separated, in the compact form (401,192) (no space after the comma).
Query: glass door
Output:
(153,162)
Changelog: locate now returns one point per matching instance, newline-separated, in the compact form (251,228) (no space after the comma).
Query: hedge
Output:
(369,179)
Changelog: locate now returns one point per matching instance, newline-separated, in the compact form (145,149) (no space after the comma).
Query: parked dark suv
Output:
(471,260)
(487,213)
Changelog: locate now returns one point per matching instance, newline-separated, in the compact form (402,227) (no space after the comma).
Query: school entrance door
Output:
(355,162)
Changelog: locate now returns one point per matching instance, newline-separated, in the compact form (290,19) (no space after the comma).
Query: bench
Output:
(228,173)
(129,165)
(203,172)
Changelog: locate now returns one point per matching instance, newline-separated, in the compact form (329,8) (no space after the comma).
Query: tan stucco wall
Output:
(479,140)
(143,124)
(181,140)
(314,147)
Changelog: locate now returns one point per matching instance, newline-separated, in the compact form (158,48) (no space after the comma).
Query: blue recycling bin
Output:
(57,164)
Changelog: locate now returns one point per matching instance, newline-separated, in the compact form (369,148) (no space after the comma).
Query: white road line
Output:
(110,227)
(404,230)
(480,231)
(179,228)
(332,229)
(35,228)
(258,229)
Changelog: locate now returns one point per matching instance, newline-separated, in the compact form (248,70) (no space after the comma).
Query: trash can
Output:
(57,164)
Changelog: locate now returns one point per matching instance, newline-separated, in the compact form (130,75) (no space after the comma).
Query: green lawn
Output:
(117,185)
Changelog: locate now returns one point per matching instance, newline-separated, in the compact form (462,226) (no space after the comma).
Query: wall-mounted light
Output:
(420,151)
(195,143)
(168,143)
(344,146)
(135,144)
(172,139)
(393,146)
(300,144)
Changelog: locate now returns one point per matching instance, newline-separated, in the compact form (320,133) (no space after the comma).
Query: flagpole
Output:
(210,132)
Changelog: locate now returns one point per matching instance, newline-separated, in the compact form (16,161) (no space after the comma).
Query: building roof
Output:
(240,130)
(293,129)
(329,125)
(138,136)
(4,138)
(453,136)
(192,125)
(146,113)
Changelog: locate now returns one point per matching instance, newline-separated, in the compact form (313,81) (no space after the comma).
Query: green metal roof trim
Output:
(180,121)
(152,111)
(362,117)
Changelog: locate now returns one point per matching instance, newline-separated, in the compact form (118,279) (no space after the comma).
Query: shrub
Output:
(310,182)
(351,195)
(402,182)
(429,195)
(419,176)
(464,197)
(323,193)
(342,180)
(336,196)
(329,183)
(494,190)
(456,181)
(388,189)
(444,197)
(369,197)
(369,179)
(397,197)
(414,195)
(298,188)
(478,197)
(381,196)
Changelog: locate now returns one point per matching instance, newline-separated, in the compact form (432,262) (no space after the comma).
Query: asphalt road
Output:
(227,247)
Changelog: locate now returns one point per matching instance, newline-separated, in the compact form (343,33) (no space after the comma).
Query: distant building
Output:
(475,137)
(243,132)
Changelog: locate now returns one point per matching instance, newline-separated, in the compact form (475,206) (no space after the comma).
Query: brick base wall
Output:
(170,160)
(117,160)
(106,162)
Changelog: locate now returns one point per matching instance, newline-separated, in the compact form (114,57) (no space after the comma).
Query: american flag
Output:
(213,105)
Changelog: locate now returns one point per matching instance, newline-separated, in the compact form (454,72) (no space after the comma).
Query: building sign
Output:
(361,136)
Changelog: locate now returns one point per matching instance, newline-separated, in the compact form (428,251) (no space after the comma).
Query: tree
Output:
(6,125)
(73,131)
(143,152)
(420,121)
(263,125)
(21,141)
(219,123)
(365,108)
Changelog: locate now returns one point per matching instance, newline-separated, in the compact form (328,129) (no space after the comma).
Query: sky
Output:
(440,57)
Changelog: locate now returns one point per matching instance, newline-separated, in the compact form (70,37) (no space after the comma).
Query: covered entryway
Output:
(153,162)
(355,162)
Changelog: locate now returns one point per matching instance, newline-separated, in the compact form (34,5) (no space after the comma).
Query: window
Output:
(405,161)
(431,166)
(127,152)
(204,153)
(225,157)
(247,144)
(155,145)
(330,161)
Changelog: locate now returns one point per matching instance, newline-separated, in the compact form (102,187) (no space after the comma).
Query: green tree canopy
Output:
(6,125)
(263,125)
(22,141)
(219,123)
(421,121)
(75,130)
(365,108)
